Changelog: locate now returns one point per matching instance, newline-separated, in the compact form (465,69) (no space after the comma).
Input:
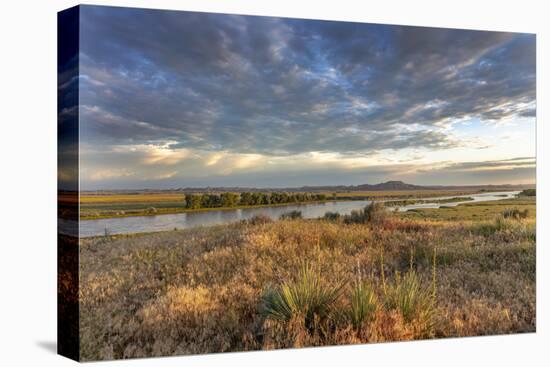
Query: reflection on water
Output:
(97,227)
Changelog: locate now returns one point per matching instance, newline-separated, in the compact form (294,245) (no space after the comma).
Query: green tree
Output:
(246,198)
(193,201)
(256,198)
(275,198)
(211,201)
(229,199)
(284,197)
(265,199)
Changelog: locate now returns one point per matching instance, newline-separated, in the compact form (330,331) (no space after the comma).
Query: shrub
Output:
(332,216)
(356,216)
(306,297)
(259,219)
(295,214)
(375,212)
(528,192)
(363,304)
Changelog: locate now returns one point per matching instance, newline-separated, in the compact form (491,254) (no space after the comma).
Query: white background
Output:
(28,182)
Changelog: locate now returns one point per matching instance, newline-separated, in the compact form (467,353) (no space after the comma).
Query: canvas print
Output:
(240,183)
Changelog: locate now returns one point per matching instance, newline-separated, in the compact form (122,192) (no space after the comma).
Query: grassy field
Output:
(265,284)
(406,202)
(131,198)
(474,211)
(108,205)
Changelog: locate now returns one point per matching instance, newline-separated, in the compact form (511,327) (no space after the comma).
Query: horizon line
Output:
(301,186)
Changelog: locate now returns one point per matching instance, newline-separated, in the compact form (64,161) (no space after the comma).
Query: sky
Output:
(172,99)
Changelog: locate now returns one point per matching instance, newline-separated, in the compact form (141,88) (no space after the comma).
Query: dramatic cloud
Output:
(270,88)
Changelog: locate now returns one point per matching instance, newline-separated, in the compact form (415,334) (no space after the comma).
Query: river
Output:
(124,225)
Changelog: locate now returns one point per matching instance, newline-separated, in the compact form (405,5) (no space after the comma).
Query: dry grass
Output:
(480,211)
(130,198)
(200,290)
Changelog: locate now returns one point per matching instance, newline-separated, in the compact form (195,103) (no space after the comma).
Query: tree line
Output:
(231,199)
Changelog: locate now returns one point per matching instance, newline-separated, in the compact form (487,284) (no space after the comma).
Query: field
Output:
(110,204)
(462,271)
(473,212)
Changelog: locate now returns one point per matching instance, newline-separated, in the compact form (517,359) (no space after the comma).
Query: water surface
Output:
(123,225)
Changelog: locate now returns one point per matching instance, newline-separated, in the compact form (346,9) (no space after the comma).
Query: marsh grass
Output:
(515,213)
(259,219)
(510,226)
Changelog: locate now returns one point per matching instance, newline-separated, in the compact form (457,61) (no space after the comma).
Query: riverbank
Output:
(408,202)
(120,206)
(164,211)
(133,224)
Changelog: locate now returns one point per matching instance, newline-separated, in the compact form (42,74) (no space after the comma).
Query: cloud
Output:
(519,170)
(102,169)
(272,87)
(488,166)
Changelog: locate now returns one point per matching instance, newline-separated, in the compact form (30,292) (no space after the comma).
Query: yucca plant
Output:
(414,302)
(363,303)
(307,296)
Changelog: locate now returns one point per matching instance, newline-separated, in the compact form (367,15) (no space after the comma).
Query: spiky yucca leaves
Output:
(415,303)
(306,297)
(363,303)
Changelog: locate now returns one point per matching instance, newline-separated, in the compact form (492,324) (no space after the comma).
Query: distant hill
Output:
(384,186)
(389,186)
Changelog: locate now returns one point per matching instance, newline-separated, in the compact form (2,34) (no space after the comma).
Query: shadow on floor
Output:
(48,345)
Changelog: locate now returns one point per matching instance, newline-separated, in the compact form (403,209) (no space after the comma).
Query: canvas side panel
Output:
(68,340)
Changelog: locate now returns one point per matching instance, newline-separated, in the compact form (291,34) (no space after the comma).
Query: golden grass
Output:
(200,290)
(480,211)
(130,198)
